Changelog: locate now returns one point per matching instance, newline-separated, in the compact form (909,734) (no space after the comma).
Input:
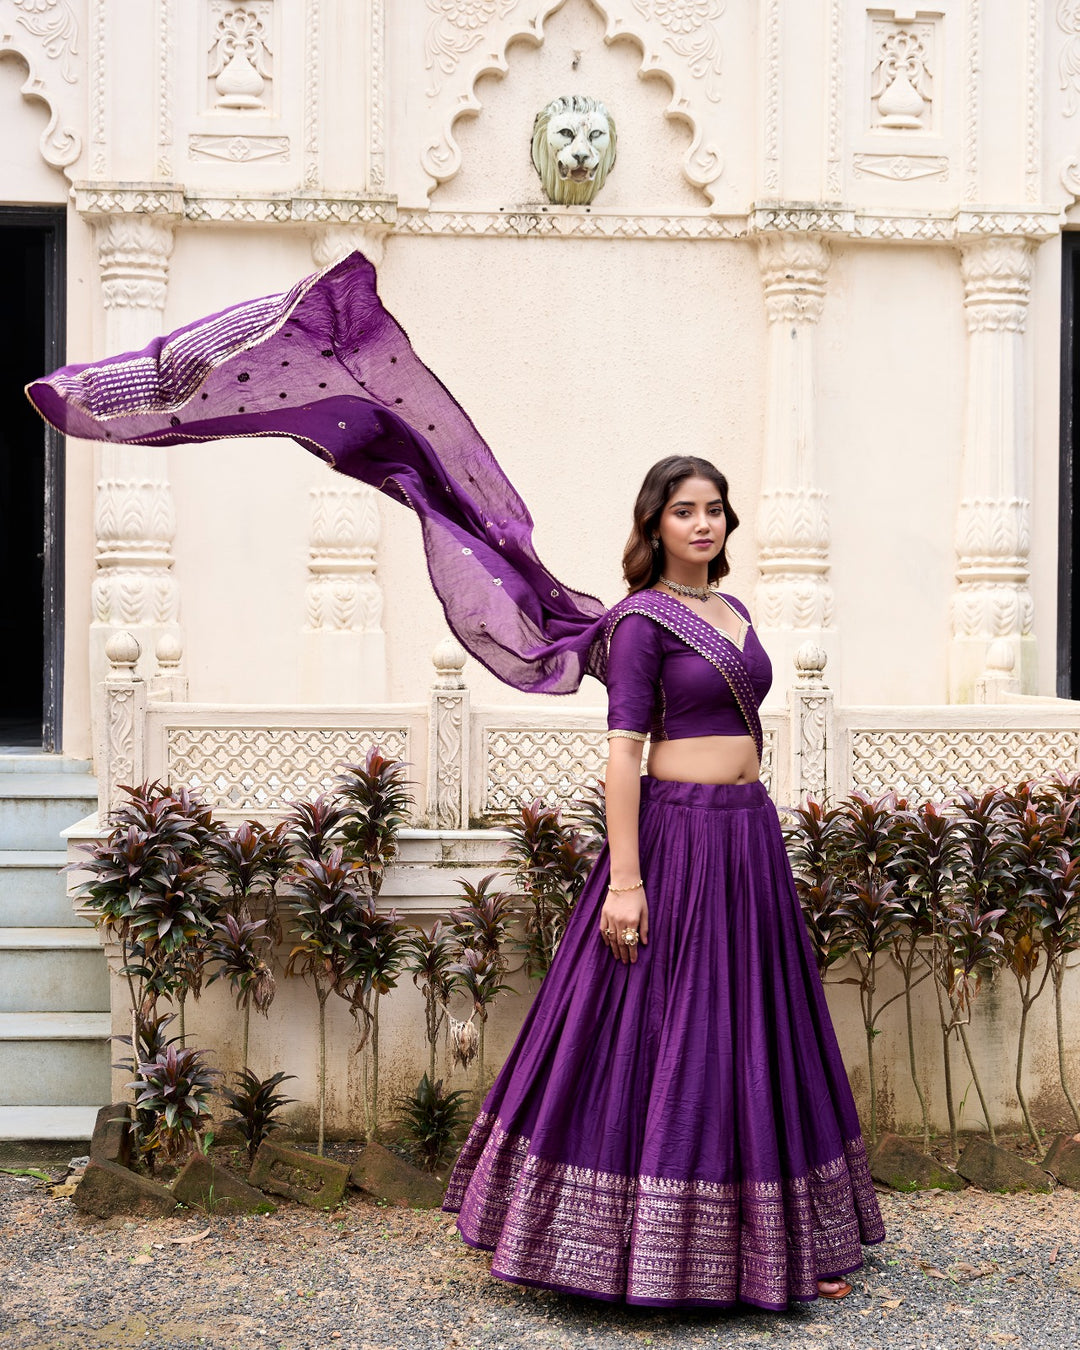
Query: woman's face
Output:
(692,526)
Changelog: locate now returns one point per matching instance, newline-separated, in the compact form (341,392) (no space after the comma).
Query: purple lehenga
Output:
(681,1130)
(678,1131)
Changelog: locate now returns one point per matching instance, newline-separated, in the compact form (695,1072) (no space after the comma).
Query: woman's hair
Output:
(642,564)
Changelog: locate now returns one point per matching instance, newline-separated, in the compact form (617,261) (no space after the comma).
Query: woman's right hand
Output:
(622,912)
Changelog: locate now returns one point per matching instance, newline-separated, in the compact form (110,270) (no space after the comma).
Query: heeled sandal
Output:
(842,1290)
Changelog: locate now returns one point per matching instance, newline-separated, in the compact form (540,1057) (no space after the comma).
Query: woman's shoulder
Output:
(635,614)
(639,605)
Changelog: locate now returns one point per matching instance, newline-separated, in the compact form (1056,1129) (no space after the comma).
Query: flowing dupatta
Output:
(328,366)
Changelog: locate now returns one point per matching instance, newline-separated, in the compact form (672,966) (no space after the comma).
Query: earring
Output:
(655,541)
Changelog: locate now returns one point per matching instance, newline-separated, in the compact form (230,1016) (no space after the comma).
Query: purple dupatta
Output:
(328,366)
(718,648)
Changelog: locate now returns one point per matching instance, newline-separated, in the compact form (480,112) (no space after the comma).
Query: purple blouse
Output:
(659,685)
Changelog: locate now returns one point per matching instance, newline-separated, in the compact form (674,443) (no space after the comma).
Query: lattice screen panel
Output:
(523,763)
(266,768)
(938,763)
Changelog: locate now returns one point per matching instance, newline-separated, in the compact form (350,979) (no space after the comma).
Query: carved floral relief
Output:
(240,55)
(456,29)
(693,34)
(902,76)
(54,22)
(1068,19)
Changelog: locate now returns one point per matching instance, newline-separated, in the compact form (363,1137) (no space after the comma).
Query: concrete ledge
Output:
(55,1026)
(47,1122)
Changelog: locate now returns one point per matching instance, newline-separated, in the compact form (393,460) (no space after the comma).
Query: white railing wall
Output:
(468,764)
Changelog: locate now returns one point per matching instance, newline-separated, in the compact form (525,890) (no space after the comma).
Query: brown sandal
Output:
(842,1292)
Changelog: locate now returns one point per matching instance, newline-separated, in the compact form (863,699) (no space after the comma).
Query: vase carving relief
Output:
(240,55)
(902,81)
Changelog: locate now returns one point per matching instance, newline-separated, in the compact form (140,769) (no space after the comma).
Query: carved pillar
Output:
(448,740)
(991,599)
(810,702)
(794,598)
(134,520)
(343,643)
(119,757)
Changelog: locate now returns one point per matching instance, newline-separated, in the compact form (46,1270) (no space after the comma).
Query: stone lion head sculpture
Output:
(573,148)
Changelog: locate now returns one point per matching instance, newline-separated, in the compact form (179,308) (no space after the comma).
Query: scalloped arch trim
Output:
(702,162)
(59,145)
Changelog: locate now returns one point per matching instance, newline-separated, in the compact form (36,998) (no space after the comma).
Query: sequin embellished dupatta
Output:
(328,366)
(702,637)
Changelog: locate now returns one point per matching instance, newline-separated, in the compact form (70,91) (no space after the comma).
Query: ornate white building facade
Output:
(829,257)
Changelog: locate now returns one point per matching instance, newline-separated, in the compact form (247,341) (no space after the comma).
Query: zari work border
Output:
(660,1240)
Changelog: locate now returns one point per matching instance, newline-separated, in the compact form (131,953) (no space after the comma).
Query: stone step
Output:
(52,970)
(33,891)
(47,1122)
(42,763)
(55,1058)
(35,807)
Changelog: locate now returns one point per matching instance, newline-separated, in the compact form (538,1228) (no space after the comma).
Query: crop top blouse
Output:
(658,684)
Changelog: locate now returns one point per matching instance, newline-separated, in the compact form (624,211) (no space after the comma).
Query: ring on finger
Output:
(630,937)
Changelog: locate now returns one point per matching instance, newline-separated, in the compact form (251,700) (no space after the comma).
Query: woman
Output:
(673,1125)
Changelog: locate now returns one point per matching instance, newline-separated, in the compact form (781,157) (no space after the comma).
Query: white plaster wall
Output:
(890,429)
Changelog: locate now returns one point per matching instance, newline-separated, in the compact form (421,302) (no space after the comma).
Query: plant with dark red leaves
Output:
(377,803)
(173,1090)
(255,1103)
(550,861)
(432,1118)
(429,958)
(233,954)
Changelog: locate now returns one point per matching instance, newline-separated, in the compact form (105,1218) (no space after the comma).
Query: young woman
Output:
(673,1125)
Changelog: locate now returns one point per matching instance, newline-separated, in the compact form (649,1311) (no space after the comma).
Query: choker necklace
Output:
(698,592)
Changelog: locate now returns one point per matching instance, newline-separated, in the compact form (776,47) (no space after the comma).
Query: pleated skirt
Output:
(679,1131)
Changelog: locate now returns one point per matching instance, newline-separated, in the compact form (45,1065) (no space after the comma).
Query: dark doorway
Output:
(31,480)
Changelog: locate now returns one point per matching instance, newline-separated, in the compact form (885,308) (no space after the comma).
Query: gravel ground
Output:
(957,1271)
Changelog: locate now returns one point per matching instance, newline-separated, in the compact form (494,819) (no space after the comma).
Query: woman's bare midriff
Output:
(705,759)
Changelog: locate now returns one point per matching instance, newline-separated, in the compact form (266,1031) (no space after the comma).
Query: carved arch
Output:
(60,144)
(703,163)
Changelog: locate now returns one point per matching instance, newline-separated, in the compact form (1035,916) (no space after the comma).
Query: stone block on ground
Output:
(112,1137)
(208,1186)
(898,1163)
(996,1169)
(1063,1160)
(107,1189)
(299,1176)
(382,1175)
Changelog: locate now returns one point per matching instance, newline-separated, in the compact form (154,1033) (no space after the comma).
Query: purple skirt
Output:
(680,1131)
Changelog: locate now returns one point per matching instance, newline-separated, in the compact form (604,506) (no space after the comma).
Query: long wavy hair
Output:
(642,564)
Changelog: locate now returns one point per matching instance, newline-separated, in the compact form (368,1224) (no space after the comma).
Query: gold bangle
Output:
(618,890)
